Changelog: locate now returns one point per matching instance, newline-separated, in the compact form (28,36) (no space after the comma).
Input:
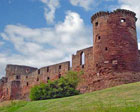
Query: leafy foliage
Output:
(63,87)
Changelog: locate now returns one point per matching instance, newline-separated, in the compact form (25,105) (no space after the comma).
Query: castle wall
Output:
(18,85)
(93,80)
(42,75)
(77,59)
(87,67)
(4,89)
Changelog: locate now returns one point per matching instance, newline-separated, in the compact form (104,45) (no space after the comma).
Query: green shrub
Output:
(63,87)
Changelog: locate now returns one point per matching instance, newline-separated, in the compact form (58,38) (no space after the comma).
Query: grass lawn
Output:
(124,98)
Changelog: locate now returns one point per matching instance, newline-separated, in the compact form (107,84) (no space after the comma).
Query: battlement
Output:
(117,11)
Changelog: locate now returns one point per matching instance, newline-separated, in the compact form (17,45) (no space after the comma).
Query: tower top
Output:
(117,11)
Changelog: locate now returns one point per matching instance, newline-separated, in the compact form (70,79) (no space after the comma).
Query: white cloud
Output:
(133,5)
(139,46)
(86,4)
(43,46)
(50,8)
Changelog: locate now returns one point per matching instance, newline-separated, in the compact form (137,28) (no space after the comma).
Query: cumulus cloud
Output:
(134,6)
(44,46)
(86,4)
(50,8)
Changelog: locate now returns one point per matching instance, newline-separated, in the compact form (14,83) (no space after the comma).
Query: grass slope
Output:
(124,98)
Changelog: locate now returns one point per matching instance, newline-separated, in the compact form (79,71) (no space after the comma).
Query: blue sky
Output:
(43,32)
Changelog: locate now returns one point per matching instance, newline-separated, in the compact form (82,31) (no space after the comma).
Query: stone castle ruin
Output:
(114,59)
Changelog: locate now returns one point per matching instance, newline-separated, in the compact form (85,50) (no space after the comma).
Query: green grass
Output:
(124,98)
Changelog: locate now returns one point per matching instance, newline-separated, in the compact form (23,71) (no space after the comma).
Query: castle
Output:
(114,59)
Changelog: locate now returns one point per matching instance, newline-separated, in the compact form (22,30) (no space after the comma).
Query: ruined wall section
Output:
(4,89)
(20,79)
(77,63)
(87,67)
(18,70)
(42,75)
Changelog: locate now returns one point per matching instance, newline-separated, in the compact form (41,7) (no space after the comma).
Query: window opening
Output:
(123,20)
(48,78)
(96,24)
(99,37)
(47,69)
(59,76)
(39,71)
(17,77)
(27,70)
(26,77)
(82,60)
(59,66)
(27,84)
(106,48)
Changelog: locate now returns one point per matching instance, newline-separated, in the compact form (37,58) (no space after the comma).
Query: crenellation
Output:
(118,11)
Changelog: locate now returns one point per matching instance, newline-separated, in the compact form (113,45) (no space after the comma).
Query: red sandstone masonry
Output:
(77,59)
(115,41)
(42,75)
(20,79)
(115,50)
(113,60)
(87,68)
(18,70)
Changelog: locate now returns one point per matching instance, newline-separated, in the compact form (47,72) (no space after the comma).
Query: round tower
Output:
(115,41)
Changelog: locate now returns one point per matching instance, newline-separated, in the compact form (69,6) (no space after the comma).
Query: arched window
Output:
(82,60)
